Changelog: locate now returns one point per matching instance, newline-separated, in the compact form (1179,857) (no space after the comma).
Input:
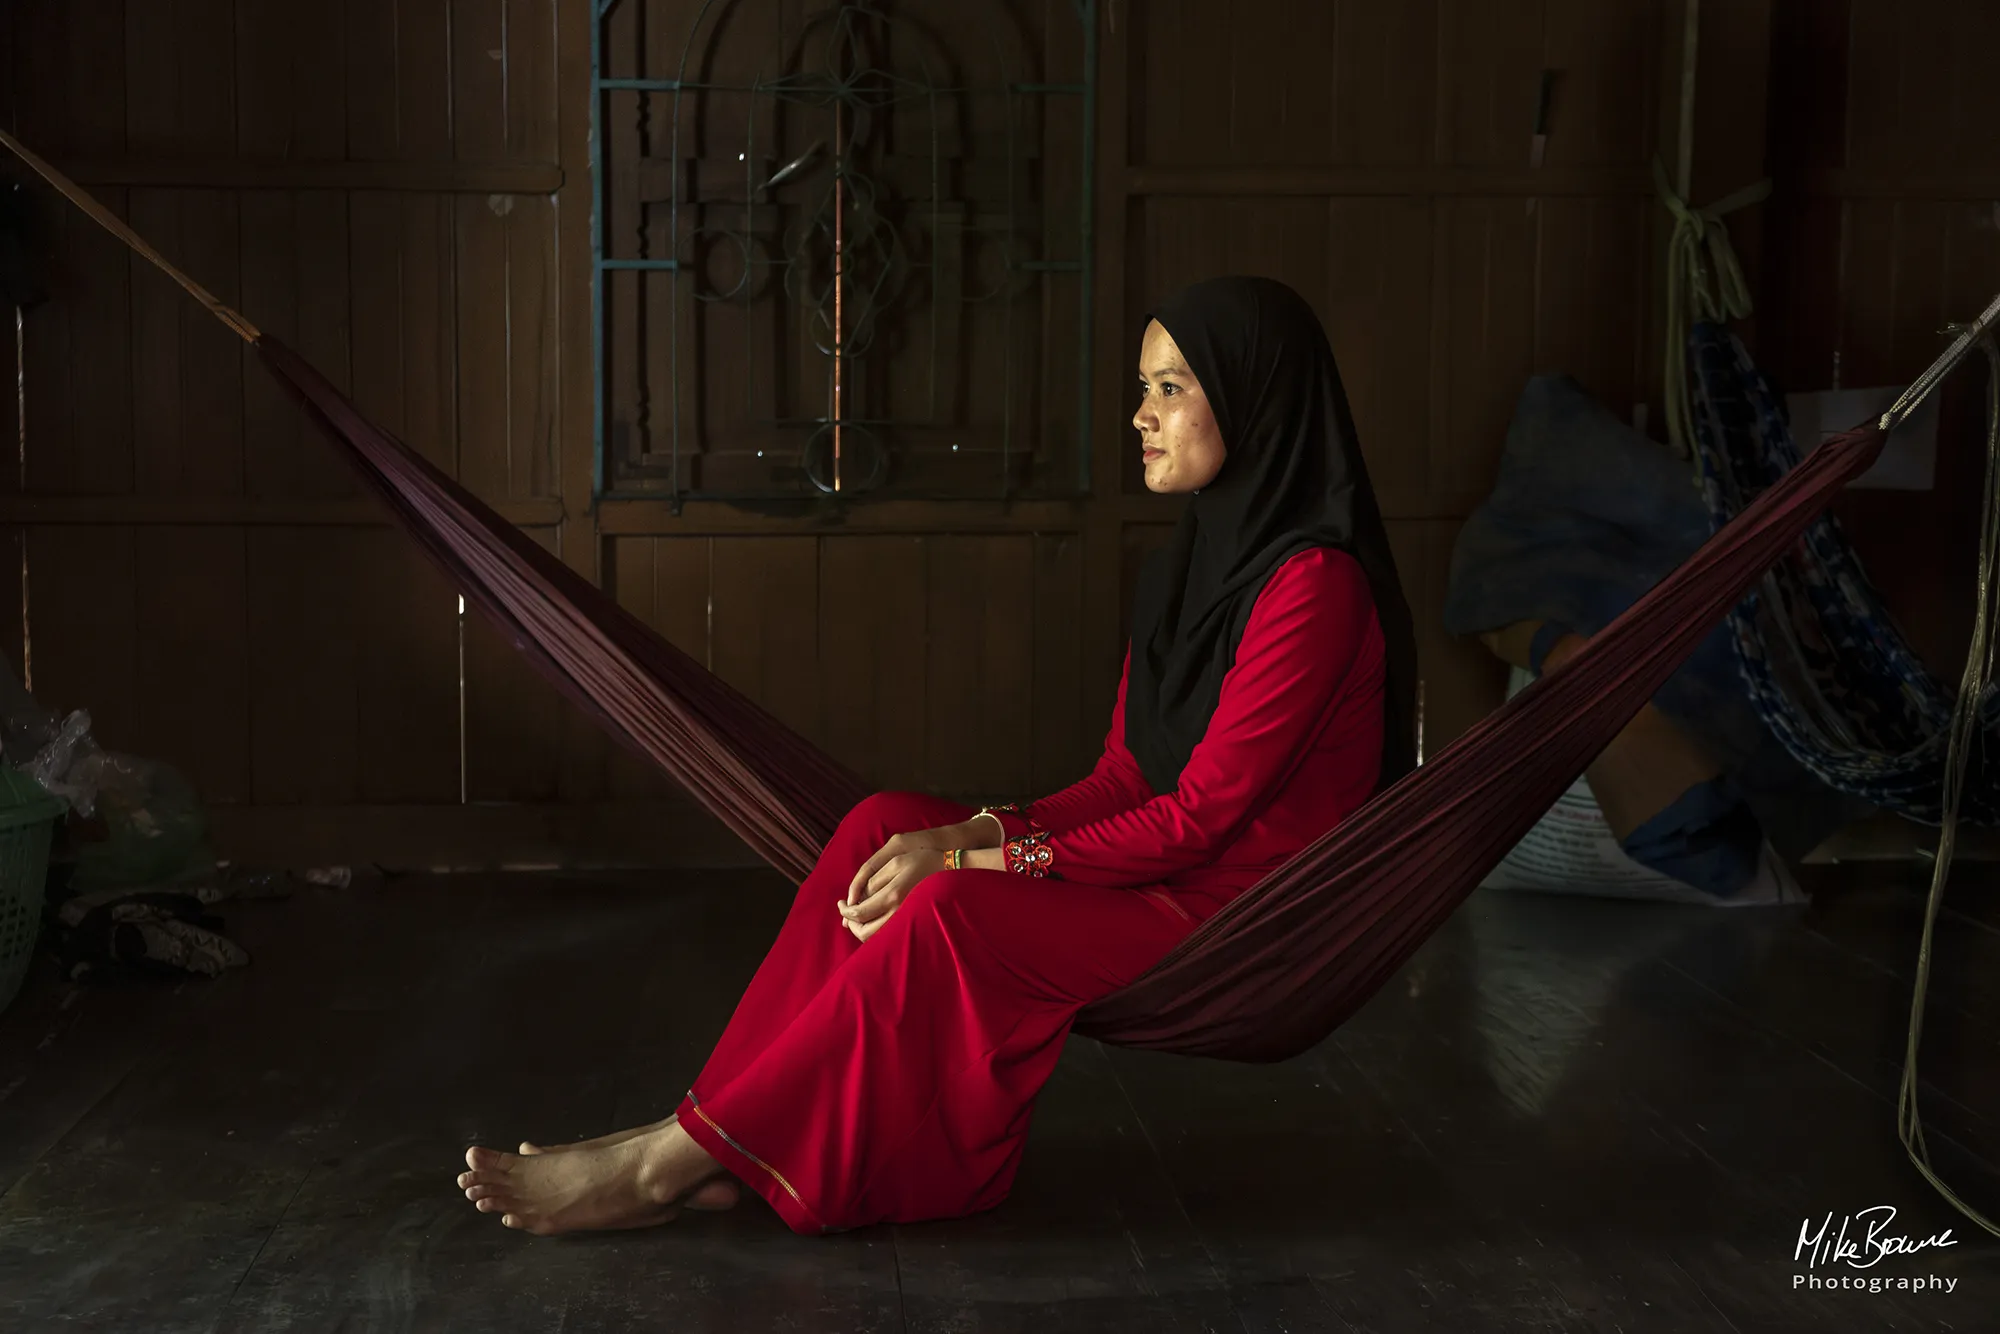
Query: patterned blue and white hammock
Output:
(1822,659)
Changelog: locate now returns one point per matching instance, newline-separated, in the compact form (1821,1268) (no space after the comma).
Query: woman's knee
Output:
(944,894)
(875,806)
(880,814)
(953,906)
(868,824)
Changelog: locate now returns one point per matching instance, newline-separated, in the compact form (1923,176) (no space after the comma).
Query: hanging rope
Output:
(1965,731)
(1704,282)
(110,221)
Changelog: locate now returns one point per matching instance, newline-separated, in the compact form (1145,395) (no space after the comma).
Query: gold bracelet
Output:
(1015,807)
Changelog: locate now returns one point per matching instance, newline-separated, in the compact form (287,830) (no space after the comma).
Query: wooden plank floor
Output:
(1563,1115)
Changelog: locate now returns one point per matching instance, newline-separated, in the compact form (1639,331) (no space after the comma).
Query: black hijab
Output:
(1292,478)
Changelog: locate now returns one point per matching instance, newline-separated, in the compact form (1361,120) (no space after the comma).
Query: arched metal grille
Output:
(842,248)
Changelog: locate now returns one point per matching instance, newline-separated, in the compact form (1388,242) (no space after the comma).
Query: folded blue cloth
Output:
(1708,837)
(1585,515)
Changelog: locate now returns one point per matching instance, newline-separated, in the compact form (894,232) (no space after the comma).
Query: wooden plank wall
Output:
(378,183)
(1884,228)
(399,187)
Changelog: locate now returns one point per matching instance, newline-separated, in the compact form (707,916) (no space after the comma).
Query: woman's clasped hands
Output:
(888,877)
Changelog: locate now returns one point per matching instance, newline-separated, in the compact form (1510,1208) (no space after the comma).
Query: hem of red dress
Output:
(762,1177)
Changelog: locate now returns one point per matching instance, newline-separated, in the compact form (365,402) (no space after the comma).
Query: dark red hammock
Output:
(1283,964)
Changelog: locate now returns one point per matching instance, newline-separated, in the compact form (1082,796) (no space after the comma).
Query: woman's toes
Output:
(528,1149)
(490,1204)
(482,1159)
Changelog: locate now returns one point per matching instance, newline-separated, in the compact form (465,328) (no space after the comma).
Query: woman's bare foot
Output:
(602,1141)
(713,1196)
(637,1182)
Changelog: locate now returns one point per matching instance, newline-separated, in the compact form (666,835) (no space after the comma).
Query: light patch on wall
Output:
(21,537)
(1420,721)
(464,785)
(1909,457)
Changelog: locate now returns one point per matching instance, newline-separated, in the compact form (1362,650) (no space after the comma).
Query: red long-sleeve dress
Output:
(892,1079)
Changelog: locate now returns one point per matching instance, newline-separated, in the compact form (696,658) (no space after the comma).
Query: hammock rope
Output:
(111,222)
(1967,727)
(1704,280)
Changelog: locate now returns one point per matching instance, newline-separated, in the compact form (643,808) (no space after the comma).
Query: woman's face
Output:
(1177,431)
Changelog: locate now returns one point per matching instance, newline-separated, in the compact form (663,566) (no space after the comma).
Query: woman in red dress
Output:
(884,1062)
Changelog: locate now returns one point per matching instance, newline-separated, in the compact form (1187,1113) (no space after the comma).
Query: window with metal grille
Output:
(842,249)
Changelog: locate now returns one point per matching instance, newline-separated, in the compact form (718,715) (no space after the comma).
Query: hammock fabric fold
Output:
(1282,965)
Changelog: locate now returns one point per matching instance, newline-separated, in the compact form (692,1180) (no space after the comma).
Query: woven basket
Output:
(27,819)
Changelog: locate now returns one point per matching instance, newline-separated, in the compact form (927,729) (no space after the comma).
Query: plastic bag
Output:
(135,821)
(154,830)
(69,764)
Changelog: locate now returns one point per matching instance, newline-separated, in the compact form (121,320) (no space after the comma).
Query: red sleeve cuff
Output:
(1031,854)
(1024,840)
